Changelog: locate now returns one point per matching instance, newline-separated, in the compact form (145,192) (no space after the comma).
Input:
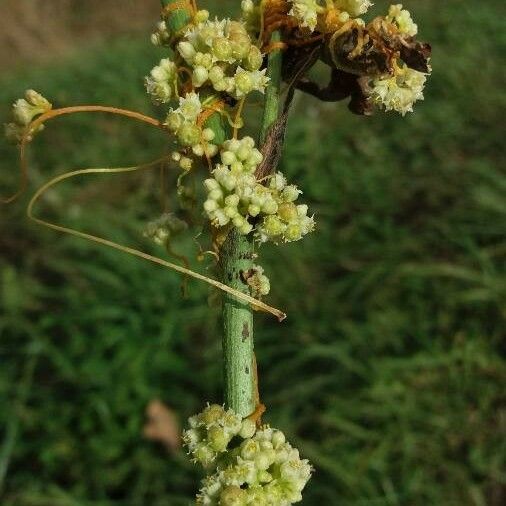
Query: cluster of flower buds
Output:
(183,122)
(212,430)
(236,196)
(398,92)
(248,466)
(24,111)
(161,36)
(161,82)
(307,11)
(376,64)
(164,228)
(402,19)
(221,54)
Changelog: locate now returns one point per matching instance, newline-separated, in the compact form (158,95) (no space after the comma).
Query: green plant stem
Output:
(237,258)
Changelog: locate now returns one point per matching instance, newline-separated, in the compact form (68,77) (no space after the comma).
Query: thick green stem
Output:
(237,252)
(238,355)
(271,109)
(237,258)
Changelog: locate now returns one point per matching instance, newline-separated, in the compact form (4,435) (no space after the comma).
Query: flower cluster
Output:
(212,430)
(402,19)
(353,7)
(24,111)
(248,466)
(221,54)
(161,36)
(183,122)
(236,196)
(398,92)
(163,228)
(161,82)
(306,11)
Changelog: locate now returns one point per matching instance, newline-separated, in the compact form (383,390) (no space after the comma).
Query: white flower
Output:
(402,18)
(306,12)
(190,107)
(353,7)
(400,91)
(160,82)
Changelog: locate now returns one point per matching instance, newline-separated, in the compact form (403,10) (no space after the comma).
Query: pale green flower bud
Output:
(37,100)
(190,106)
(270,207)
(204,454)
(232,200)
(211,150)
(232,213)
(293,232)
(241,45)
(188,134)
(198,150)
(173,121)
(250,449)
(186,163)
(354,7)
(228,157)
(254,59)
(243,82)
(287,211)
(247,6)
(222,49)
(243,152)
(216,193)
(264,477)
(210,205)
(23,112)
(262,461)
(290,193)
(236,166)
(248,428)
(245,228)
(216,74)
(218,438)
(187,51)
(233,496)
(273,226)
(212,414)
(199,76)
(211,184)
(278,438)
(201,16)
(208,134)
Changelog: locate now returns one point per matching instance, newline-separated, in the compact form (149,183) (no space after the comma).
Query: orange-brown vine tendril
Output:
(217,106)
(54,113)
(100,240)
(140,254)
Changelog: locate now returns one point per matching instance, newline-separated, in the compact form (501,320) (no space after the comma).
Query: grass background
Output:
(389,372)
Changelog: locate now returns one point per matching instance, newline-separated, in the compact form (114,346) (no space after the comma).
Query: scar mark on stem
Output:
(245,332)
(246,370)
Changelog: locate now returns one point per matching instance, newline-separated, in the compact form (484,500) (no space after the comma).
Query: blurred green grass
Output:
(389,372)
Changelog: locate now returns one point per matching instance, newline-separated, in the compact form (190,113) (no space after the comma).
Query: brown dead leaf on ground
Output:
(162,425)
